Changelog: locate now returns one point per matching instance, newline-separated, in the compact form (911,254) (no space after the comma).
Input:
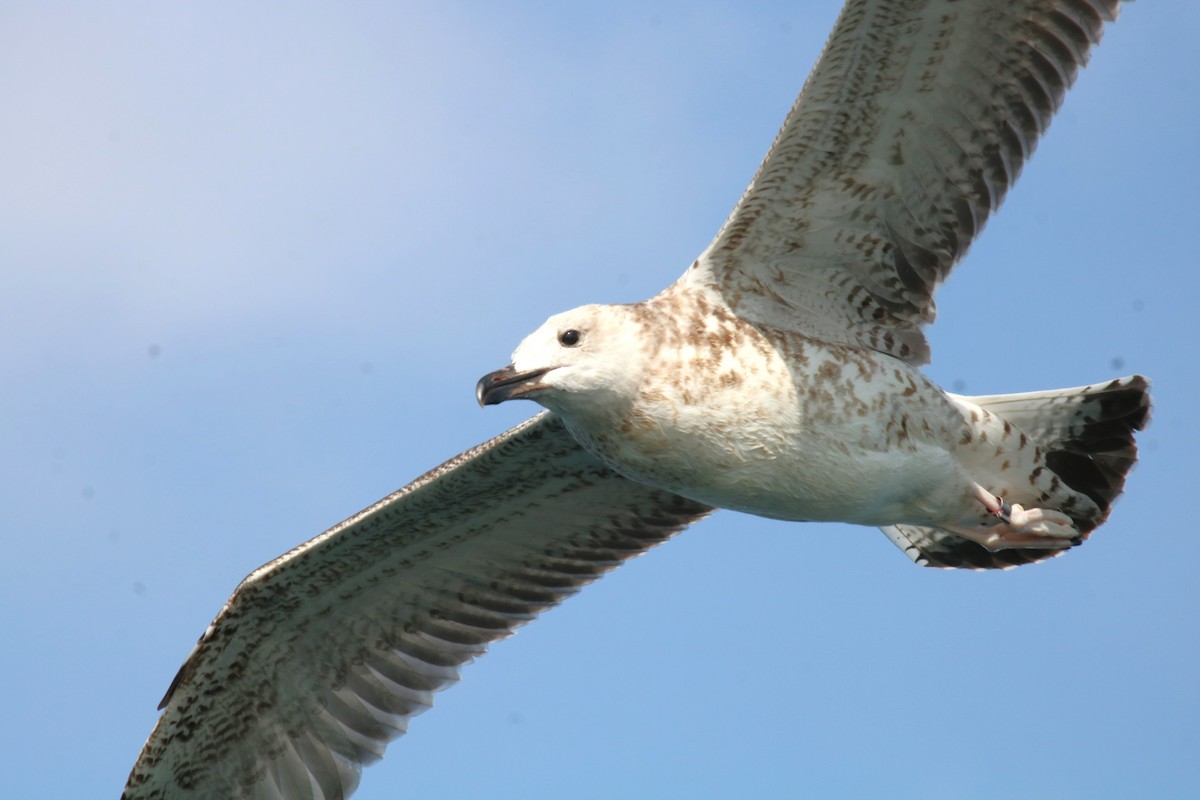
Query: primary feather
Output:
(777,376)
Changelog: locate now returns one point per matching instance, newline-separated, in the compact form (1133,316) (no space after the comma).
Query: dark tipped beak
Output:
(506,384)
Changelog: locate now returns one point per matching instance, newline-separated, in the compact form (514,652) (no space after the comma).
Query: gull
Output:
(779,376)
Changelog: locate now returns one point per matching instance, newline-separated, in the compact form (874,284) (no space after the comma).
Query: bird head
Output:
(575,358)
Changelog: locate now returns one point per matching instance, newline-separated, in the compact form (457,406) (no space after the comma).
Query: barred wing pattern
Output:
(320,657)
(912,127)
(909,132)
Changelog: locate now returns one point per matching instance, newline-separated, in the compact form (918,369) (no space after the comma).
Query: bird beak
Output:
(507,384)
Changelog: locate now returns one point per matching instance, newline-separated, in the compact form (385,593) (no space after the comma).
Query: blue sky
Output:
(256,257)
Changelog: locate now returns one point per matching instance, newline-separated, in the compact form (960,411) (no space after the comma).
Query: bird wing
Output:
(320,657)
(908,133)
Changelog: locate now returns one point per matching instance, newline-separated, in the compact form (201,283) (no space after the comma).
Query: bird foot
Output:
(1035,528)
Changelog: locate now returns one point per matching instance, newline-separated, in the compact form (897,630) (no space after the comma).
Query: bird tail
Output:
(1084,436)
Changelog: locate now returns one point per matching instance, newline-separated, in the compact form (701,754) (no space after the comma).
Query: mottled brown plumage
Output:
(321,656)
(908,134)
(778,376)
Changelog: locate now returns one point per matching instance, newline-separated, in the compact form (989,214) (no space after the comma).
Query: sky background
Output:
(255,256)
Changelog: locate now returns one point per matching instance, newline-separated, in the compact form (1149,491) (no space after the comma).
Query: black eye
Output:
(569,338)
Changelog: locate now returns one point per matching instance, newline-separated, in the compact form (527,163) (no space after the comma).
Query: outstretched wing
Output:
(321,656)
(912,127)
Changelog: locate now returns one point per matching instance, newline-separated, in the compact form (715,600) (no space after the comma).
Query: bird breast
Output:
(781,425)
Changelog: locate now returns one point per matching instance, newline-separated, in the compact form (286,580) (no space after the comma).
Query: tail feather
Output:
(1086,438)
(1103,413)
(1086,433)
(934,547)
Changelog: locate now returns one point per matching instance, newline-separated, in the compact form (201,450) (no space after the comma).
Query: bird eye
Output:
(569,338)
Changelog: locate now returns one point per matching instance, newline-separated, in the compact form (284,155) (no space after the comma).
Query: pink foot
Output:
(1041,528)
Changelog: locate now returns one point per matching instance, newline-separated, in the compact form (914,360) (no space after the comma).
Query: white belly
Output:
(864,439)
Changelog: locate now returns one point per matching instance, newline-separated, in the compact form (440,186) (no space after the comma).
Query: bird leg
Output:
(1016,526)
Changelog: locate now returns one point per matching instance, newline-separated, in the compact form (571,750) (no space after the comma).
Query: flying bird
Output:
(778,376)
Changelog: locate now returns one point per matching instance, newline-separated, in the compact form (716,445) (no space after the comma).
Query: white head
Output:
(575,359)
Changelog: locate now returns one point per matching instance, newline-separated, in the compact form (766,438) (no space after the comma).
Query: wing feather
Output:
(322,656)
(909,132)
